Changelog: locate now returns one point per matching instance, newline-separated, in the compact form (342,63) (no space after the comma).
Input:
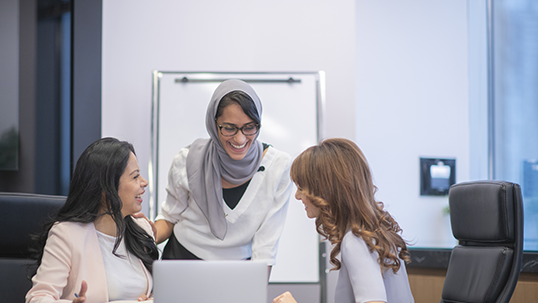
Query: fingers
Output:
(140,215)
(79,300)
(279,298)
(81,296)
(284,298)
(142,298)
(153,228)
(83,289)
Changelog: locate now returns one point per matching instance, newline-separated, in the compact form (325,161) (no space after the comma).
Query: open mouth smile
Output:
(238,146)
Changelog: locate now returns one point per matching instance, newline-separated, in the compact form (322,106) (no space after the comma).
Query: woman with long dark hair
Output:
(94,250)
(335,184)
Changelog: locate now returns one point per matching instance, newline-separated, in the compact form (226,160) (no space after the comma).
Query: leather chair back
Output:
(23,216)
(487,221)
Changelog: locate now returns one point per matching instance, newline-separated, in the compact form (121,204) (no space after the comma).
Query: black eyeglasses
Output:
(229,130)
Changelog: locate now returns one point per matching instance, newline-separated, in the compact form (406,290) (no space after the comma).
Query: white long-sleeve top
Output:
(254,225)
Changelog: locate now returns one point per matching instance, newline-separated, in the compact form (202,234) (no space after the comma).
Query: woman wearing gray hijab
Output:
(227,196)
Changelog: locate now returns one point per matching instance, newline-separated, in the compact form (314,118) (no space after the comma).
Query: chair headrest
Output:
(24,215)
(483,211)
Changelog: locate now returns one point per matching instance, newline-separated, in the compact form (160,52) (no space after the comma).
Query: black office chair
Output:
(487,220)
(22,215)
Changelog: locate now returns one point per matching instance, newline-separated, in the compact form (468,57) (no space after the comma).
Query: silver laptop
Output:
(178,281)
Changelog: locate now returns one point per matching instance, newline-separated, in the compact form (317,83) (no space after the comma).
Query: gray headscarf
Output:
(208,161)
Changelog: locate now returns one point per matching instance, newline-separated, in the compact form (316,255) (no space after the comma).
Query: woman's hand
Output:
(141,215)
(164,229)
(143,297)
(284,298)
(81,296)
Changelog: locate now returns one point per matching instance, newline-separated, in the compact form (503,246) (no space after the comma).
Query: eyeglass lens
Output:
(247,130)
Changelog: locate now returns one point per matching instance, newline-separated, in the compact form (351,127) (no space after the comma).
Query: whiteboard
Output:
(291,122)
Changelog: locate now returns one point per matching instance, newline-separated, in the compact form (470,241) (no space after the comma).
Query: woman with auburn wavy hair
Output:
(335,184)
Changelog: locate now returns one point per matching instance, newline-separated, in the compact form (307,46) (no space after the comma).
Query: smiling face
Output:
(237,145)
(131,187)
(311,210)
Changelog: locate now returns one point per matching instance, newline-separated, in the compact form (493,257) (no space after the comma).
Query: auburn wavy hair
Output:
(335,176)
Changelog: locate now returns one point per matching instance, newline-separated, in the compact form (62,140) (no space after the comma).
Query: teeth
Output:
(239,146)
(138,196)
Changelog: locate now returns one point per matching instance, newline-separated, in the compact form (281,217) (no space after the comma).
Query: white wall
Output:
(412,102)
(397,78)
(234,35)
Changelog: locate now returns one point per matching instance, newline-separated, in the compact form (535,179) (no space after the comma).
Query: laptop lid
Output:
(177,281)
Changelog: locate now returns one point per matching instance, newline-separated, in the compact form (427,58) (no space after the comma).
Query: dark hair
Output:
(335,176)
(242,99)
(96,180)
